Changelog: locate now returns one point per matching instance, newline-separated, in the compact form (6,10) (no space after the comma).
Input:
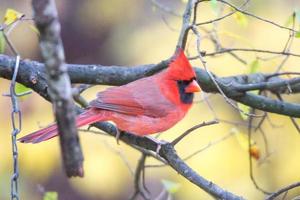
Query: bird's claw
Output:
(159,144)
(118,135)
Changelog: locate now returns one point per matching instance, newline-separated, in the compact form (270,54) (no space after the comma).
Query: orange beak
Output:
(192,87)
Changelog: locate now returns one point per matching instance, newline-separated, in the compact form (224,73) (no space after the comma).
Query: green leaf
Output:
(21,88)
(50,196)
(244,109)
(254,66)
(290,20)
(241,19)
(2,42)
(34,29)
(170,186)
(214,5)
(297,35)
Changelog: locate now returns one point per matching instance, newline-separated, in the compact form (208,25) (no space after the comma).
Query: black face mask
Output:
(186,98)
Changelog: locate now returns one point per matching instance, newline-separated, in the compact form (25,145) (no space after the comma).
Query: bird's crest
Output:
(180,67)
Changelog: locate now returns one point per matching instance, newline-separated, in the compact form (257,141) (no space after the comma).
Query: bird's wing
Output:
(141,97)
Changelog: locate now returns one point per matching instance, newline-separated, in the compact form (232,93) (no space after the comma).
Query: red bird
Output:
(145,106)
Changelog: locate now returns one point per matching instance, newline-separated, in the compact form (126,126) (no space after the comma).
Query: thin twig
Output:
(283,190)
(178,139)
(139,189)
(281,74)
(229,101)
(222,17)
(256,17)
(206,147)
(250,156)
(288,45)
(226,50)
(209,145)
(185,27)
(292,118)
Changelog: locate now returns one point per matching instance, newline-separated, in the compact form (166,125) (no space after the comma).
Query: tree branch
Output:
(31,73)
(46,19)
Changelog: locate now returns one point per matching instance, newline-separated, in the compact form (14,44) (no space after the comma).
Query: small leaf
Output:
(241,19)
(290,20)
(2,42)
(214,6)
(21,89)
(11,16)
(170,186)
(297,35)
(244,109)
(254,66)
(34,29)
(255,152)
(242,139)
(50,196)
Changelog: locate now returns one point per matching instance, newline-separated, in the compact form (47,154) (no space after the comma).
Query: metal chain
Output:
(16,124)
(16,115)
(16,119)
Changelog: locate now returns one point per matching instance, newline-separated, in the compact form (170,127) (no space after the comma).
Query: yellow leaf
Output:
(241,19)
(11,16)
(34,29)
(242,138)
(170,186)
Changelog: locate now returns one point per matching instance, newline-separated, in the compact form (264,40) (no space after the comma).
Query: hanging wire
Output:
(16,120)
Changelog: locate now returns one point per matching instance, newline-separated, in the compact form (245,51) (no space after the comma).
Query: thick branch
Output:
(46,19)
(31,73)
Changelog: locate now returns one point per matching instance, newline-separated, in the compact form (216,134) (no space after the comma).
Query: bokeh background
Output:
(133,32)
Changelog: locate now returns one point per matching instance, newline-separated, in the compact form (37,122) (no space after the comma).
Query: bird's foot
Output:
(118,135)
(159,144)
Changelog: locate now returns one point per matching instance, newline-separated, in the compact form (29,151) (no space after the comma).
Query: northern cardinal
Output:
(145,106)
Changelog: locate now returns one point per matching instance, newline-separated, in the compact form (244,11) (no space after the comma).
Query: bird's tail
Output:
(87,117)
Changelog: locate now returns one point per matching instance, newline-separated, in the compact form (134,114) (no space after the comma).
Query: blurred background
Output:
(134,32)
